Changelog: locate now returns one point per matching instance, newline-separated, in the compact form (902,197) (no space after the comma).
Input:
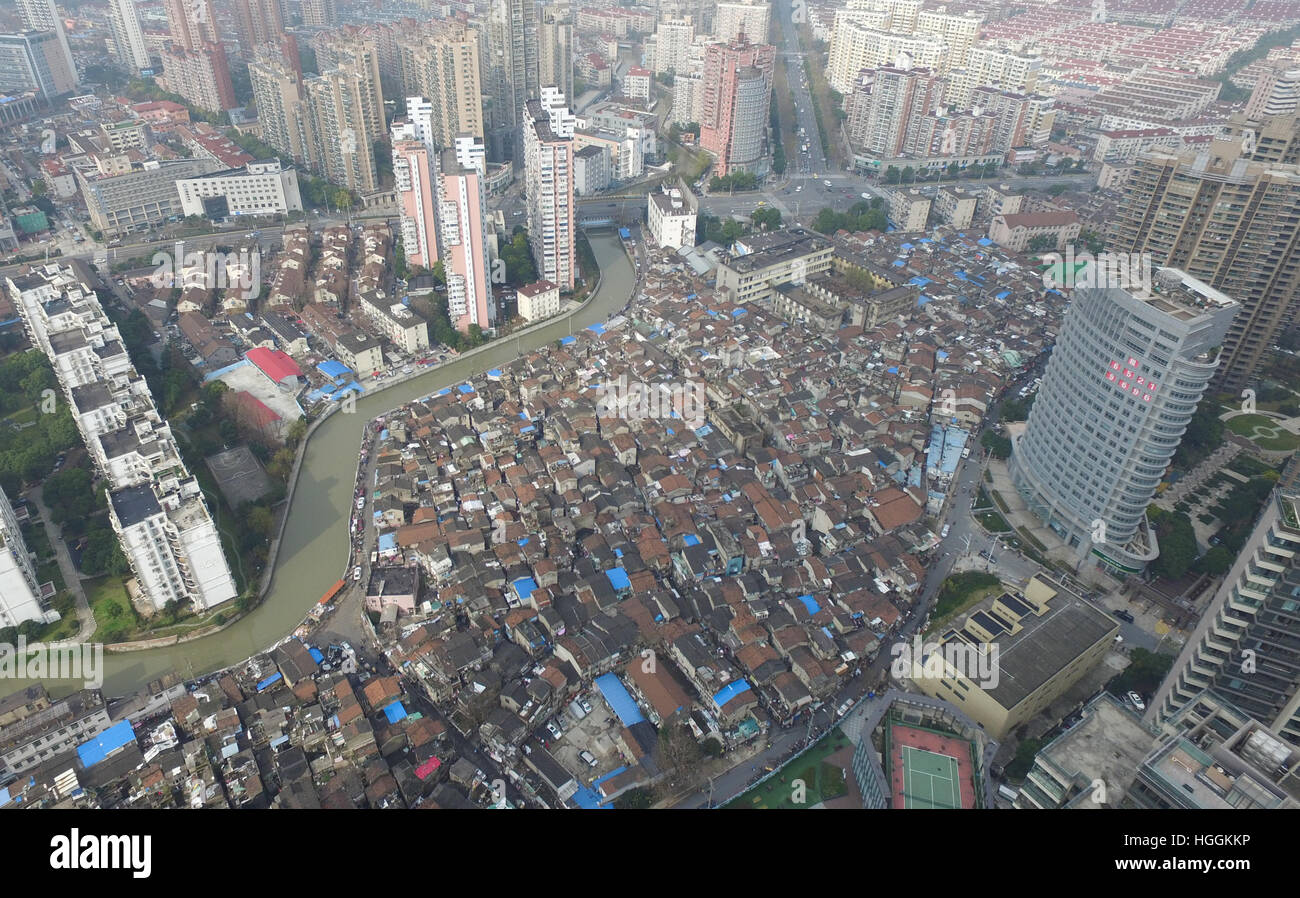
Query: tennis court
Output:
(929,779)
(929,769)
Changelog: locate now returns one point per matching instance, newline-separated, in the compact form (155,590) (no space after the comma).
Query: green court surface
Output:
(929,779)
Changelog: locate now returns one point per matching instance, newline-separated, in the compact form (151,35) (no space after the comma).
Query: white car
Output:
(1136,701)
(356,573)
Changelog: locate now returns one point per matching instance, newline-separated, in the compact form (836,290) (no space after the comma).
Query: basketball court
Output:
(239,475)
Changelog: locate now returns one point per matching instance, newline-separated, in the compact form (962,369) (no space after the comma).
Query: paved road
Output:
(71,576)
(812,162)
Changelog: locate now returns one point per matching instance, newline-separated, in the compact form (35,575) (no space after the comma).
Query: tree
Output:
(1016,409)
(1177,542)
(1144,674)
(678,748)
(766,217)
(1215,562)
(518,256)
(1204,434)
(297,430)
(1042,243)
(1026,751)
(997,445)
(68,495)
(102,554)
(638,799)
(893,175)
(862,216)
(1094,241)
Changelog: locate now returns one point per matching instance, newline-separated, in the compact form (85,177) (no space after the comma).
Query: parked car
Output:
(1136,701)
(1125,615)
(356,573)
(588,757)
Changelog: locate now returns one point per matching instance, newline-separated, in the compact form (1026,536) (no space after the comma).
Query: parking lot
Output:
(595,733)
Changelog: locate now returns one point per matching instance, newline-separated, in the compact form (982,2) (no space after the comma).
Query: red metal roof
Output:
(273,363)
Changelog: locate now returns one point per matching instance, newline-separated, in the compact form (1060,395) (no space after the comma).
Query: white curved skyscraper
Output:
(1126,374)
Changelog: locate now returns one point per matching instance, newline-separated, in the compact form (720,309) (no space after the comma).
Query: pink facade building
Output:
(417,192)
(736,90)
(462,217)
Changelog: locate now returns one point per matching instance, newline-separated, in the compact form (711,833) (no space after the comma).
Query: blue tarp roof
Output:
(465,388)
(387,542)
(92,751)
(624,233)
(730,691)
(394,712)
(269,681)
(596,328)
(1003,295)
(565,341)
(984,241)
(691,539)
(619,699)
(316,654)
(589,800)
(736,313)
(524,587)
(899,263)
(333,369)
(494,372)
(919,281)
(944,451)
(618,578)
(811,604)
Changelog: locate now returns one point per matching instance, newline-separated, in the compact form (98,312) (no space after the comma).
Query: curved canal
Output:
(315,544)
